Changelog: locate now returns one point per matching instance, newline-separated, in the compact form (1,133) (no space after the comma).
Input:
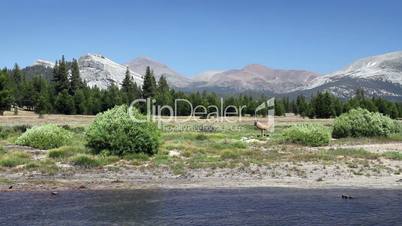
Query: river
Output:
(245,206)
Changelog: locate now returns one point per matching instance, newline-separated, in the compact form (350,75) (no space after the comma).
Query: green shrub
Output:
(45,137)
(362,123)
(307,134)
(115,131)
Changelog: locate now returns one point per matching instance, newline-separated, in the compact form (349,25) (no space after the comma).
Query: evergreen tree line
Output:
(67,93)
(326,105)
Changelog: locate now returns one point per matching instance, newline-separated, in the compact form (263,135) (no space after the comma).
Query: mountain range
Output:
(378,75)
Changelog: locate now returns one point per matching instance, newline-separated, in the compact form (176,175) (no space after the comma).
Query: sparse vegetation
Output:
(230,154)
(7,131)
(66,151)
(85,161)
(13,159)
(394,155)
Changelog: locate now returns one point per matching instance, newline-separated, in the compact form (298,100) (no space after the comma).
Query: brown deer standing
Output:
(263,126)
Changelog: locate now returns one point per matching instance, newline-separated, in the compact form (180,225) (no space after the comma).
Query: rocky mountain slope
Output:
(95,69)
(378,75)
(174,78)
(254,77)
(102,72)
(43,63)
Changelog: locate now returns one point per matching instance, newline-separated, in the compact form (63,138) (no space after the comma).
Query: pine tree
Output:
(65,103)
(338,106)
(75,80)
(80,103)
(149,86)
(323,106)
(15,81)
(60,76)
(302,106)
(129,88)
(94,100)
(27,95)
(163,95)
(42,105)
(279,107)
(5,94)
(41,95)
(16,75)
(111,97)
(163,86)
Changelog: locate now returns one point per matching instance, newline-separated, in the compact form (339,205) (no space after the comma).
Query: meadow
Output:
(219,151)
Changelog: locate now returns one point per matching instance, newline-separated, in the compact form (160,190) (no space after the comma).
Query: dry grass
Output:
(30,118)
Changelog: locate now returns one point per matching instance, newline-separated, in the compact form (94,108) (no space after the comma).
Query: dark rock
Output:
(346,196)
(11,187)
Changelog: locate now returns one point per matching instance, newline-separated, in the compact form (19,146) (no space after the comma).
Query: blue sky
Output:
(197,35)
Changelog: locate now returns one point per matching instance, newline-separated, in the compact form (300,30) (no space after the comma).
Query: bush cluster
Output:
(307,134)
(45,137)
(362,123)
(116,132)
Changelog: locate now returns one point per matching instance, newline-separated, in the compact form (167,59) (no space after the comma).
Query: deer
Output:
(263,126)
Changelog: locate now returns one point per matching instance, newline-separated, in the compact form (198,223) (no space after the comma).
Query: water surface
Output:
(246,206)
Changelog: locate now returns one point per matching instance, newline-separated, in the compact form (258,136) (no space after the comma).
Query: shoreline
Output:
(50,185)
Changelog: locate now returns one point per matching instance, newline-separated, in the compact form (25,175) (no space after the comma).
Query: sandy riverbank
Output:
(222,179)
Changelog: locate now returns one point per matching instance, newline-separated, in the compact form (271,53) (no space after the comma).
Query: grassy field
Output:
(207,152)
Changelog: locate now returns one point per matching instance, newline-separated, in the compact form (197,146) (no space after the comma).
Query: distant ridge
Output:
(379,75)
(175,79)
